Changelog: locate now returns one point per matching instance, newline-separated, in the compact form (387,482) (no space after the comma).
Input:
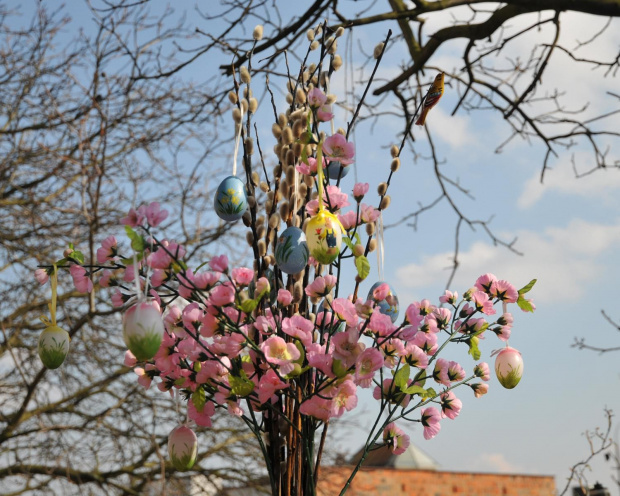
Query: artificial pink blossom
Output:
(133,219)
(312,207)
(388,391)
(192,317)
(143,378)
(415,356)
(203,416)
(117,299)
(345,310)
(335,198)
(130,359)
(430,420)
(359,190)
(485,282)
(504,291)
(427,341)
(41,276)
(319,359)
(265,324)
(242,276)
(479,389)
(368,213)
(222,295)
(80,279)
(219,263)
(347,346)
(279,352)
(268,384)
(344,398)
(449,297)
(380,323)
(336,147)
(284,297)
(298,327)
(321,286)
(381,292)
(482,303)
(395,439)
(363,308)
(368,362)
(348,220)
(316,98)
(483,371)
(309,168)
(154,215)
(450,405)
(108,250)
(317,407)
(325,114)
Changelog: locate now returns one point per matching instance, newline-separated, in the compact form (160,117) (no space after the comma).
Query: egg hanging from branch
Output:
(324,237)
(230,201)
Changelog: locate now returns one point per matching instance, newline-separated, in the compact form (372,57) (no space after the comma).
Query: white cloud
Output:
(565,260)
(602,184)
(494,462)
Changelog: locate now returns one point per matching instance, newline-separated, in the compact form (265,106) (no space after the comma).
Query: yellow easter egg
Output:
(324,237)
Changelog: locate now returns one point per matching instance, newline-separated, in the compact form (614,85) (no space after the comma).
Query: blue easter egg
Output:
(292,250)
(389,306)
(332,325)
(230,200)
(333,169)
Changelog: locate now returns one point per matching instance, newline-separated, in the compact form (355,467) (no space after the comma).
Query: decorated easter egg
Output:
(53,346)
(230,200)
(143,329)
(333,170)
(332,324)
(389,304)
(182,448)
(292,250)
(324,237)
(509,367)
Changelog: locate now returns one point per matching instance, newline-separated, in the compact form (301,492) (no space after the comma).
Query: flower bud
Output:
(331,98)
(249,237)
(370,229)
(232,96)
(257,34)
(339,32)
(337,62)
(262,247)
(264,187)
(249,145)
(395,165)
(244,74)
(282,120)
(236,113)
(385,202)
(394,151)
(253,105)
(310,34)
(382,189)
(276,130)
(378,50)
(255,178)
(314,45)
(358,250)
(372,246)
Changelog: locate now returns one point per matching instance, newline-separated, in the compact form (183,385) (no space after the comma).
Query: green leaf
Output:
(248,306)
(474,351)
(414,390)
(240,386)
(525,305)
(339,369)
(401,377)
(199,399)
(129,261)
(484,327)
(77,256)
(347,241)
(527,287)
(358,240)
(363,266)
(430,393)
(137,241)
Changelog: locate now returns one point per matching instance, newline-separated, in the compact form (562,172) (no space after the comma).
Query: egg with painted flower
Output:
(292,250)
(230,201)
(324,237)
(333,170)
(385,298)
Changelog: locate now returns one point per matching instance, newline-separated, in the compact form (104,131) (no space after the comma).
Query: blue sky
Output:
(568,231)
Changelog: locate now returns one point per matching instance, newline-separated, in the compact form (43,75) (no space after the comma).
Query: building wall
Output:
(397,482)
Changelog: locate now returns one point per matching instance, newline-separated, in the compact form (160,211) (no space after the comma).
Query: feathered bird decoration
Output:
(432,97)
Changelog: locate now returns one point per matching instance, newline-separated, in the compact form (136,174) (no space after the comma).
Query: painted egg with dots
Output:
(292,250)
(388,305)
(333,170)
(230,201)
(332,324)
(53,346)
(324,237)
